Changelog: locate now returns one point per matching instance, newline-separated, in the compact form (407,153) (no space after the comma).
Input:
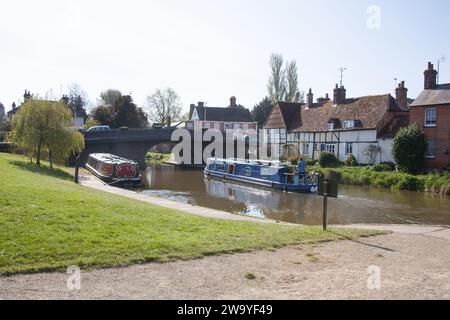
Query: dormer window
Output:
(348,124)
(330,126)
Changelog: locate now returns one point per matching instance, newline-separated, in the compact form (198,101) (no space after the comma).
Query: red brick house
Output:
(431,112)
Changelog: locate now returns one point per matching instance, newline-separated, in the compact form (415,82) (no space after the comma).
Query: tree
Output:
(261,111)
(44,126)
(104,115)
(283,83)
(77,100)
(2,114)
(110,96)
(277,80)
(91,122)
(164,106)
(129,115)
(409,148)
(292,92)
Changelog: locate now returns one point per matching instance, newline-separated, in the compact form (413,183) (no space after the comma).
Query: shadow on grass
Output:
(359,242)
(42,169)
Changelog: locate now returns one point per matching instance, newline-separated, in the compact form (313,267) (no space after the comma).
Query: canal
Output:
(355,204)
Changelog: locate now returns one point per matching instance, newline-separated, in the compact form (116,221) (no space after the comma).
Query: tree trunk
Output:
(50,158)
(38,155)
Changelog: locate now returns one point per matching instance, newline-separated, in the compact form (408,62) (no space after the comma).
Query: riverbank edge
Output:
(92,182)
(390,180)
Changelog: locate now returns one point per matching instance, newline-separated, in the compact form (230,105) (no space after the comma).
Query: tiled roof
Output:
(237,114)
(439,95)
(367,112)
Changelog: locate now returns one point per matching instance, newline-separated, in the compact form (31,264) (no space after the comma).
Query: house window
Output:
(347,124)
(306,149)
(245,126)
(349,148)
(431,149)
(430,117)
(322,147)
(330,126)
(190,125)
(217,126)
(330,148)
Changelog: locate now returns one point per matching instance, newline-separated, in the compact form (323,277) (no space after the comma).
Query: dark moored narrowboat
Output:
(113,169)
(271,174)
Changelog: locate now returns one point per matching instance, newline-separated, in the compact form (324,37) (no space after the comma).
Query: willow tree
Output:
(44,128)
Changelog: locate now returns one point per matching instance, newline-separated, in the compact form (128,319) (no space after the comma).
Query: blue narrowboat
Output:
(273,174)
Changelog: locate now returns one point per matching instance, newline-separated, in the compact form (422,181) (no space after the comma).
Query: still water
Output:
(355,204)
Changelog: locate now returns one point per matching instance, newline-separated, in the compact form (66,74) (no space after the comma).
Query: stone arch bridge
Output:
(135,143)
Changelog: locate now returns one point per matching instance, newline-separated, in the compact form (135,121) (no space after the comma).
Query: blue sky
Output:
(211,50)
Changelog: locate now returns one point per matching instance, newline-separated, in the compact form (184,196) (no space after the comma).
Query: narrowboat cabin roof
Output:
(110,158)
(268,163)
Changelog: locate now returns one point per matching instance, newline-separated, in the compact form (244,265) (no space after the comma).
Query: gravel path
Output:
(414,264)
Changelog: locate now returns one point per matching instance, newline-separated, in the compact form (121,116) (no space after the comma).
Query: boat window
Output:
(248,171)
(231,169)
(220,167)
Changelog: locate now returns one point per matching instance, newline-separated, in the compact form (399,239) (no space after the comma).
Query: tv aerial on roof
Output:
(341,70)
(441,59)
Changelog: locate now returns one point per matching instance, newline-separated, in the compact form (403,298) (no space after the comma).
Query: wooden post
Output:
(77,168)
(325,205)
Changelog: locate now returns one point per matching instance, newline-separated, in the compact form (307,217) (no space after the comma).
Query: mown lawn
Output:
(49,223)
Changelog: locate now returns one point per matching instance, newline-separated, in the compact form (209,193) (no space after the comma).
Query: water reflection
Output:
(355,204)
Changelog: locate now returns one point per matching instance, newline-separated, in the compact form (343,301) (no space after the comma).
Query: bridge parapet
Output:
(128,135)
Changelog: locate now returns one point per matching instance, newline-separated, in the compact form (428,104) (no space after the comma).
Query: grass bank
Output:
(438,183)
(155,157)
(49,223)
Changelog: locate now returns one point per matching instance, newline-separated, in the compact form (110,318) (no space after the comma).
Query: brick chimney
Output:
(339,94)
(200,104)
(233,102)
(323,100)
(401,95)
(309,99)
(430,76)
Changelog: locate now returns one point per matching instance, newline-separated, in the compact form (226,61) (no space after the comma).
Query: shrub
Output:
(294,160)
(409,182)
(311,163)
(382,168)
(328,160)
(390,165)
(409,148)
(350,161)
